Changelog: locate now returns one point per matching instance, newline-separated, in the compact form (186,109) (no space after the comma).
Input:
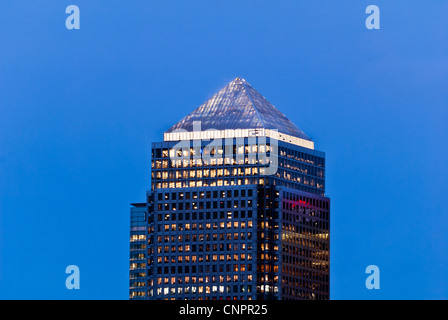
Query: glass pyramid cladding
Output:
(239,106)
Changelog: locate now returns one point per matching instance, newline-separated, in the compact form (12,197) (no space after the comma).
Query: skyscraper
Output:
(236,210)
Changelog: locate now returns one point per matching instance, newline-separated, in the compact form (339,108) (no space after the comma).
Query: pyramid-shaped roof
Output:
(239,106)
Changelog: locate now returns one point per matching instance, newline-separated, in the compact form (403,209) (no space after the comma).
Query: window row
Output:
(207,279)
(247,148)
(207,173)
(251,160)
(301,156)
(204,205)
(203,226)
(206,183)
(200,237)
(200,269)
(203,290)
(235,214)
(202,248)
(204,194)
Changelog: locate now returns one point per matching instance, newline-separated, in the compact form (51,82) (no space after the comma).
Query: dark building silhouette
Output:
(236,210)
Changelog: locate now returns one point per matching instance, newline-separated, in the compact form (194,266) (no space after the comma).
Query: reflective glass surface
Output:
(239,106)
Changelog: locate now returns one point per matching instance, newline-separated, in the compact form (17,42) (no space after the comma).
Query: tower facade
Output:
(236,210)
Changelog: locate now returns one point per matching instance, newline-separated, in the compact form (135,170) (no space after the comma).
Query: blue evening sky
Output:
(80,108)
